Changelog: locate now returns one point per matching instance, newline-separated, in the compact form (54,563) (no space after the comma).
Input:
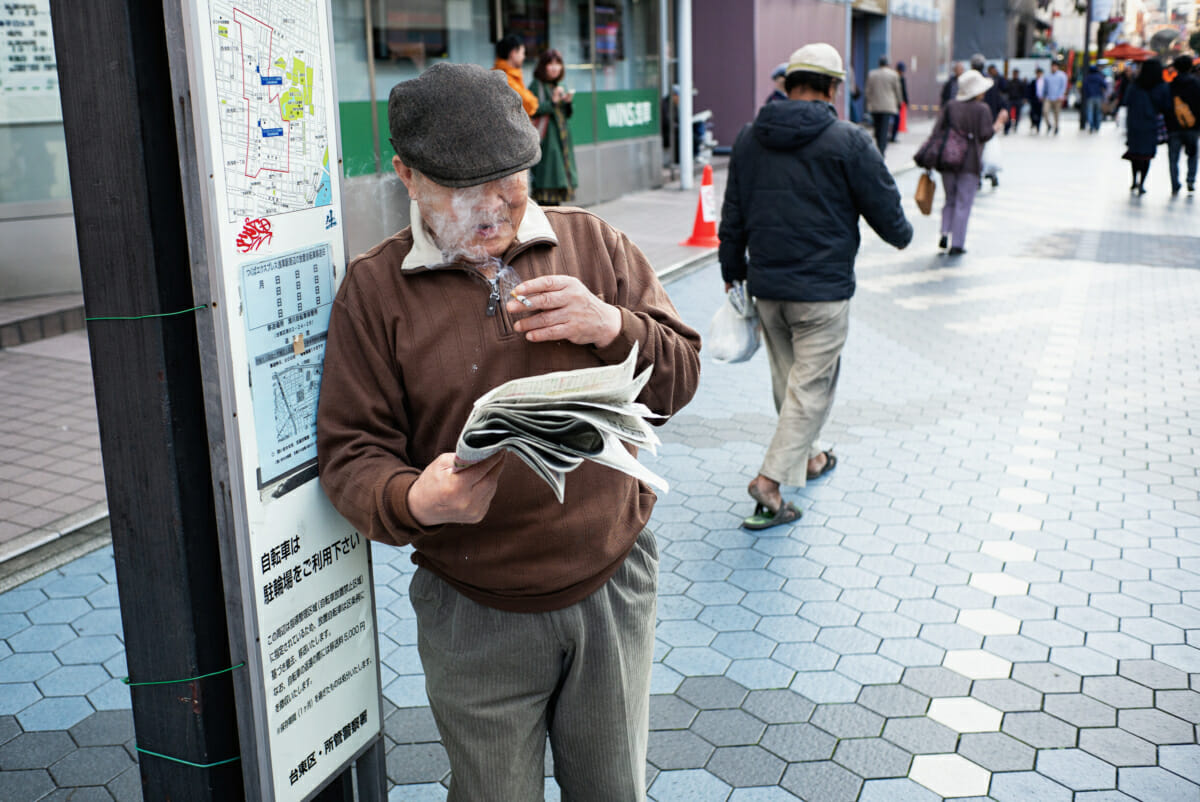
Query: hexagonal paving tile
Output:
(950,775)
(965,715)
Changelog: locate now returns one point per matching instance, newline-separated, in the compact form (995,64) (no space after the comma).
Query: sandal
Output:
(763,518)
(830,464)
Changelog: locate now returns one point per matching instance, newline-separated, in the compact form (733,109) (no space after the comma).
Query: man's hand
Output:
(444,495)
(564,309)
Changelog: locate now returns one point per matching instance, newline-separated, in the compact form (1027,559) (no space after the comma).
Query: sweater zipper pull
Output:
(493,297)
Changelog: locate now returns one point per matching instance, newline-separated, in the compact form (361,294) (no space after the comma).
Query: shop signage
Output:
(871,6)
(301,603)
(619,114)
(28,70)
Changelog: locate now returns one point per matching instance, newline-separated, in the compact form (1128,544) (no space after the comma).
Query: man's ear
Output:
(405,172)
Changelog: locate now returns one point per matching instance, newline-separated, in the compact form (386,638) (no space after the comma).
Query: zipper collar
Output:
(535,227)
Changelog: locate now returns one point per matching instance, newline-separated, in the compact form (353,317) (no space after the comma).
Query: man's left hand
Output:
(562,308)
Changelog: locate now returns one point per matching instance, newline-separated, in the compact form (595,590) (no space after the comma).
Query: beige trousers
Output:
(804,347)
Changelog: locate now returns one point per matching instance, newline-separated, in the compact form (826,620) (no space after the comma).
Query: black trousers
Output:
(883,129)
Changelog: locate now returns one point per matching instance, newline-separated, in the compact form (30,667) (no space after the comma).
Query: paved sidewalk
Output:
(995,595)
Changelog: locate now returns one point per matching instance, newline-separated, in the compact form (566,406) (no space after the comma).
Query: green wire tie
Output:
(173,682)
(145,317)
(185,679)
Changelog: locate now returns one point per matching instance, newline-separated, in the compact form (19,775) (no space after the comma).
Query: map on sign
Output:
(274,125)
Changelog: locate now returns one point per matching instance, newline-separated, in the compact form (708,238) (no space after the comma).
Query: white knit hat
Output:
(819,58)
(972,84)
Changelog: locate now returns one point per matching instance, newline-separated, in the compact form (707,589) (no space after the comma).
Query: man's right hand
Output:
(443,494)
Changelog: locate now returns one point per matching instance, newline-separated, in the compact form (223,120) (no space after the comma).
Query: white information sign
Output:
(28,69)
(265,109)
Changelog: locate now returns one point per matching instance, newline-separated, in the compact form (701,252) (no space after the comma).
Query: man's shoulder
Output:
(380,261)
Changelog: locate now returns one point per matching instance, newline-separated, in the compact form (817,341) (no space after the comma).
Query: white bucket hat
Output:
(819,58)
(971,84)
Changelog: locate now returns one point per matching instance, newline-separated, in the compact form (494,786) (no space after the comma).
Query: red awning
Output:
(1127,52)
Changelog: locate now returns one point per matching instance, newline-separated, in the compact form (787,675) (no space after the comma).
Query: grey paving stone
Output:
(1118,692)
(9,729)
(412,725)
(996,751)
(746,766)
(936,682)
(1046,678)
(678,749)
(92,793)
(824,781)
(728,727)
(847,720)
(1006,695)
(1152,674)
(26,784)
(920,735)
(417,763)
(1025,786)
(126,786)
(712,693)
(893,701)
(1156,726)
(1080,710)
(776,706)
(872,758)
(1076,769)
(1118,747)
(35,750)
(1184,704)
(1154,784)
(1039,730)
(90,765)
(669,712)
(1182,760)
(798,742)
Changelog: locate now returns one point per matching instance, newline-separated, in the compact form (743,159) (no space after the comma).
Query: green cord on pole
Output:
(188,762)
(144,317)
(185,679)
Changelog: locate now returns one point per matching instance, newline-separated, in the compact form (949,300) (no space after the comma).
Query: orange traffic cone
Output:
(704,230)
(903,127)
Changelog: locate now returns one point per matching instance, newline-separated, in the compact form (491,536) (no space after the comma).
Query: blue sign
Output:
(272,132)
(273,80)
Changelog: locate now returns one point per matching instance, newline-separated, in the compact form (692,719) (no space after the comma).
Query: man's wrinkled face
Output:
(469,223)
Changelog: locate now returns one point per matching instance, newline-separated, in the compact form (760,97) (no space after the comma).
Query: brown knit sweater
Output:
(409,351)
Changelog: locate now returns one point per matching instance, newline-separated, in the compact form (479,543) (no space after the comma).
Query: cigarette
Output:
(521,298)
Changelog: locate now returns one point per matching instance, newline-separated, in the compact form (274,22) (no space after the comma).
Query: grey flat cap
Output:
(461,125)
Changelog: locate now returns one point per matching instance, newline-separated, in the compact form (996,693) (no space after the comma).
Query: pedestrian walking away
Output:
(1093,91)
(534,618)
(1055,95)
(884,96)
(1017,89)
(554,178)
(778,76)
(902,71)
(1036,93)
(1183,122)
(798,181)
(1147,100)
(970,116)
(950,88)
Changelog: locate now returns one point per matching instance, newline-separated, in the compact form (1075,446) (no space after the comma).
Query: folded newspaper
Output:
(555,421)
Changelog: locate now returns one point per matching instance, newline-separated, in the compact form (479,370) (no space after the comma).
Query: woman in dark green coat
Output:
(554,177)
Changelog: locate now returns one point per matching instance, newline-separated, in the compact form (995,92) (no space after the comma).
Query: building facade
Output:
(612,50)
(734,53)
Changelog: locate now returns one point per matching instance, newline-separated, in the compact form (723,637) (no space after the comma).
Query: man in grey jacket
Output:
(798,181)
(884,96)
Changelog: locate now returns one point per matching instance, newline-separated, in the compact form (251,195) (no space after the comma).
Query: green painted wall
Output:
(625,114)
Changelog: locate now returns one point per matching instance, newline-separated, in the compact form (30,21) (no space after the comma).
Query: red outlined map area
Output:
(274,124)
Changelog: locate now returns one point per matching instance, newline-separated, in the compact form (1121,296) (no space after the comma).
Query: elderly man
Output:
(884,96)
(533,617)
(798,181)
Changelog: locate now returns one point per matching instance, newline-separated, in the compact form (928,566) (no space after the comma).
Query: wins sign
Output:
(624,114)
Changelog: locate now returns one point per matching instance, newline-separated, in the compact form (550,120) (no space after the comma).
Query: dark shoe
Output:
(943,243)
(1175,190)
(830,464)
(1141,190)
(763,518)
(1191,187)
(957,251)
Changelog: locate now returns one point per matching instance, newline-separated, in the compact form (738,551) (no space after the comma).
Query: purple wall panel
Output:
(913,38)
(723,46)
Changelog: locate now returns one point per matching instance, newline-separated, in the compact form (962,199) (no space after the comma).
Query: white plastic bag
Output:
(734,334)
(993,157)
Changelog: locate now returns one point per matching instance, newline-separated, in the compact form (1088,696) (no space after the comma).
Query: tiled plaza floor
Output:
(996,594)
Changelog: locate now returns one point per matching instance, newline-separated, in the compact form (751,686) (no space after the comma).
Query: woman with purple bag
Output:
(970,116)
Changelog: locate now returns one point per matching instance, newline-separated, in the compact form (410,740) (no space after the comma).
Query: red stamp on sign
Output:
(254,235)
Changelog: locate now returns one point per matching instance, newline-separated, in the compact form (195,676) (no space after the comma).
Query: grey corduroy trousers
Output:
(499,683)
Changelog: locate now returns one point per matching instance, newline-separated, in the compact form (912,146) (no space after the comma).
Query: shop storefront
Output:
(611,52)
(610,47)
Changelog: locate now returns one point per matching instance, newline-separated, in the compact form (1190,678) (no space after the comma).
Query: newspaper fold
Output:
(555,421)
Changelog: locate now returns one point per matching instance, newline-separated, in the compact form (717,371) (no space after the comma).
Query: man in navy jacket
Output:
(799,179)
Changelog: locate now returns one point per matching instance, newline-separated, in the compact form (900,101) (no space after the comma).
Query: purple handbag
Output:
(945,151)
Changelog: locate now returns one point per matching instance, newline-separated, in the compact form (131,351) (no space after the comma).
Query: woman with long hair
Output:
(554,178)
(1146,100)
(970,116)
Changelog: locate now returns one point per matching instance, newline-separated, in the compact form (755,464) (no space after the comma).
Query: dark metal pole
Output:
(1087,38)
(119,123)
